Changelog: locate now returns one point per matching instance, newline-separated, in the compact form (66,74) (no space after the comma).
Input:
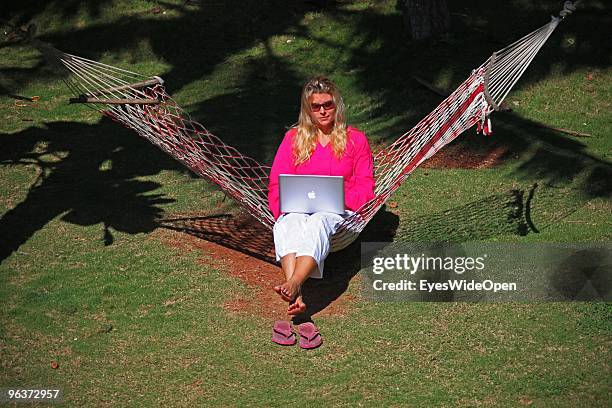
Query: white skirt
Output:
(304,234)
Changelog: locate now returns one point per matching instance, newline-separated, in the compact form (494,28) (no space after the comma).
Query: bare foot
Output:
(288,291)
(296,307)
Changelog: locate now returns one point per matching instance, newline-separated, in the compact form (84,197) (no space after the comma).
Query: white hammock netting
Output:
(142,104)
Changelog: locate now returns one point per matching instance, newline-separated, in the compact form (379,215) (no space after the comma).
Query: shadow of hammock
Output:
(238,232)
(505,213)
(499,214)
(342,266)
(244,234)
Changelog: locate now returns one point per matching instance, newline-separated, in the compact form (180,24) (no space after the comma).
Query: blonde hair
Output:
(307,132)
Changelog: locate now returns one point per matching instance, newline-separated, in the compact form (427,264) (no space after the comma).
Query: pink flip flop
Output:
(310,338)
(282,333)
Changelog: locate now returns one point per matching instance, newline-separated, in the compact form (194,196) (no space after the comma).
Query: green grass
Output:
(87,281)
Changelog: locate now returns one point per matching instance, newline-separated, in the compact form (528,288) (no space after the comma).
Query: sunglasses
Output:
(326,106)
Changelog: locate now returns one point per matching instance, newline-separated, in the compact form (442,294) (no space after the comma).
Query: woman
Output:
(320,144)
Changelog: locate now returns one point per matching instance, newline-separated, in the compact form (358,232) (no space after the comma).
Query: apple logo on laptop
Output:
(312,195)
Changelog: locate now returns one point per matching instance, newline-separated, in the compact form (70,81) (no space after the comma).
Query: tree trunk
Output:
(425,18)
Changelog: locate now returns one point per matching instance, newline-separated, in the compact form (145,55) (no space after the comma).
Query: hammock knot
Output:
(568,8)
(484,125)
(483,122)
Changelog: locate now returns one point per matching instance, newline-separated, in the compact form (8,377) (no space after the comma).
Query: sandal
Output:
(310,338)
(283,334)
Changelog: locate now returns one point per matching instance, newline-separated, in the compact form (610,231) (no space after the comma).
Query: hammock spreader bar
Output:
(85,99)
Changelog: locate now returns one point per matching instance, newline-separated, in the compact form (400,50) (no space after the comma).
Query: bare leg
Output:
(290,290)
(296,306)
(288,265)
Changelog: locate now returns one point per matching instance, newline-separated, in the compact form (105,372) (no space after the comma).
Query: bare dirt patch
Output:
(462,154)
(243,248)
(459,157)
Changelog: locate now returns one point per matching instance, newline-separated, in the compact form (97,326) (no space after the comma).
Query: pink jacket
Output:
(356,165)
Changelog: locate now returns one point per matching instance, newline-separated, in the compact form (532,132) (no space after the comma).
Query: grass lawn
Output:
(87,280)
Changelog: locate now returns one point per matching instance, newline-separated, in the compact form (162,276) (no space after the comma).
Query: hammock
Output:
(142,104)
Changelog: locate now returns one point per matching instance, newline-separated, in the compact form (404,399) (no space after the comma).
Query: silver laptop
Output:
(311,194)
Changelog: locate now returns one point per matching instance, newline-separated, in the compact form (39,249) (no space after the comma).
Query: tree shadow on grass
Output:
(536,154)
(395,108)
(545,156)
(23,11)
(87,175)
(477,32)
(196,41)
(255,117)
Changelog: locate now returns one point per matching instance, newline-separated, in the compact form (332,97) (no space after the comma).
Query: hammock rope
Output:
(141,103)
